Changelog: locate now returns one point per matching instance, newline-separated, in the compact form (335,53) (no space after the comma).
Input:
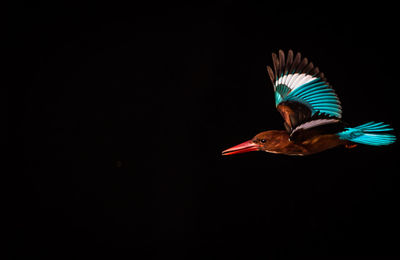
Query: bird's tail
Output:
(370,133)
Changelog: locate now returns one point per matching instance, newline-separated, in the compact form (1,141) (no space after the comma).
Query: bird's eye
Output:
(262,140)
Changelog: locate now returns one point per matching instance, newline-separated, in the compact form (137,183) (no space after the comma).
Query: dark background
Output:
(125,111)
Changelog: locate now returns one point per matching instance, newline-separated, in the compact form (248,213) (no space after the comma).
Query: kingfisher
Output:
(311,112)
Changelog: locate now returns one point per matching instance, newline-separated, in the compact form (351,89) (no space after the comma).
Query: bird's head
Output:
(263,141)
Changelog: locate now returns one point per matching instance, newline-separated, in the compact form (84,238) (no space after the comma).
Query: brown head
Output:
(268,141)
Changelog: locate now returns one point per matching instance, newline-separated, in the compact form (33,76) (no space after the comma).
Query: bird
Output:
(312,114)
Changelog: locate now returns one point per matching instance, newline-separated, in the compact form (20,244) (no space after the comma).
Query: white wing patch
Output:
(295,80)
(315,123)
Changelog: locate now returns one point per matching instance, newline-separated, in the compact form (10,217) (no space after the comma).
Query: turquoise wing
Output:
(297,80)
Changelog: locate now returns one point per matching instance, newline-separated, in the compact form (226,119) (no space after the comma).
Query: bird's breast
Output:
(315,144)
(320,143)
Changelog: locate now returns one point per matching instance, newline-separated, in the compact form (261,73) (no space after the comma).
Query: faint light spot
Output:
(118,164)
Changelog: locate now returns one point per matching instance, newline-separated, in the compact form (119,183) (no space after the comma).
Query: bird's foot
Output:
(349,146)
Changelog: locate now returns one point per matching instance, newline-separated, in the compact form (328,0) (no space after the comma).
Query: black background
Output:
(125,110)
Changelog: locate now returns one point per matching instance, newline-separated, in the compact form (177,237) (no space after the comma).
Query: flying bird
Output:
(311,112)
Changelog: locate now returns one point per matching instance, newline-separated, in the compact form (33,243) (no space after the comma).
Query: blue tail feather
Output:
(370,133)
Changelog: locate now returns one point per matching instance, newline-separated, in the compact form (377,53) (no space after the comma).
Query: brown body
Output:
(277,141)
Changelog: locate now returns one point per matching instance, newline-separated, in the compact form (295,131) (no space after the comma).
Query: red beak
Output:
(245,147)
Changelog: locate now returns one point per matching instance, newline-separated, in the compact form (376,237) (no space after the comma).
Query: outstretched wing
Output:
(301,90)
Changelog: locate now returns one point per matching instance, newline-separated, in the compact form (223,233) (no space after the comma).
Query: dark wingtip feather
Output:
(295,63)
(308,69)
(289,61)
(271,74)
(303,63)
(316,72)
(290,53)
(281,57)
(281,62)
(322,76)
(275,63)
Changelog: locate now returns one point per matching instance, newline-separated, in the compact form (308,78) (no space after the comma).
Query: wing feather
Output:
(295,63)
(281,62)
(289,61)
(271,74)
(276,65)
